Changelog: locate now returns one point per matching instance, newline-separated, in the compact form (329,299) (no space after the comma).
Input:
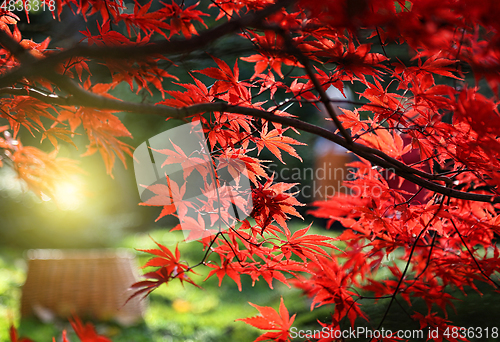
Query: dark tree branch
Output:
(81,97)
(35,93)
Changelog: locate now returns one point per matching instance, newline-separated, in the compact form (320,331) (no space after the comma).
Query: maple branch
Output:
(373,155)
(325,99)
(409,199)
(35,93)
(81,97)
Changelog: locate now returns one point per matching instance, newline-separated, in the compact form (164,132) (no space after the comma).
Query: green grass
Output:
(177,313)
(12,275)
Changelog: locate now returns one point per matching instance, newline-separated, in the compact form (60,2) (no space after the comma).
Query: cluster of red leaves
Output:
(269,319)
(103,128)
(245,250)
(169,267)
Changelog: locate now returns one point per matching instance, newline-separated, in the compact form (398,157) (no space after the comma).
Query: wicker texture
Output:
(88,283)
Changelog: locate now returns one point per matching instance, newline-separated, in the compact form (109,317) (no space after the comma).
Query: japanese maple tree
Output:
(439,105)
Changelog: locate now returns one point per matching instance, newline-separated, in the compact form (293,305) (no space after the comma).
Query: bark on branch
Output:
(81,97)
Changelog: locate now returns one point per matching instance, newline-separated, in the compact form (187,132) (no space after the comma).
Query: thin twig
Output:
(325,99)
(472,255)
(393,297)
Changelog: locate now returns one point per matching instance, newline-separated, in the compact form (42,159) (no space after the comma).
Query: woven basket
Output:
(89,283)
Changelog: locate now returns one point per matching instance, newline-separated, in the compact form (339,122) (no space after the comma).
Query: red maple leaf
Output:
(181,19)
(227,8)
(86,332)
(196,93)
(306,246)
(269,319)
(170,197)
(142,20)
(270,201)
(275,141)
(170,267)
(228,87)
(271,56)
(106,36)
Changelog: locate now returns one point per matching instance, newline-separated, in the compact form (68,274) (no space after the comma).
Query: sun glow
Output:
(68,196)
